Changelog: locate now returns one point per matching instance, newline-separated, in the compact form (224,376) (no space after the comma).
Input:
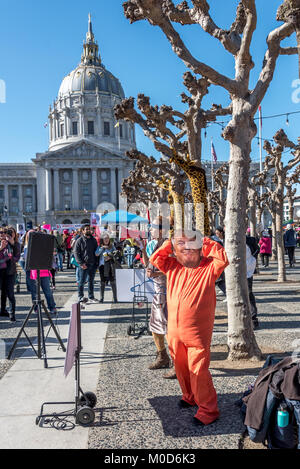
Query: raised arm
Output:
(212,249)
(161,258)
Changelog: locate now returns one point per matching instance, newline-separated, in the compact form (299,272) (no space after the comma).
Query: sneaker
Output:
(93,300)
(53,311)
(82,300)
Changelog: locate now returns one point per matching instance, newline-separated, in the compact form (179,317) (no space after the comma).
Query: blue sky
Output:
(42,42)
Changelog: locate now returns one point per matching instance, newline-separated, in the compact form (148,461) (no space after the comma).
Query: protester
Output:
(191,300)
(265,244)
(67,237)
(60,249)
(9,280)
(289,239)
(54,268)
(219,237)
(4,258)
(159,313)
(84,252)
(107,270)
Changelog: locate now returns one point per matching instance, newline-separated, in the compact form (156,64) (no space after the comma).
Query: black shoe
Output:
(183,404)
(12,317)
(198,422)
(4,314)
(101,300)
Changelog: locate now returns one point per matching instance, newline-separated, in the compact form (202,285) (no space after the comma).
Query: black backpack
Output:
(270,434)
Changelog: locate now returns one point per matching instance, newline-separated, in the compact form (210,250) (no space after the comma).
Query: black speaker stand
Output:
(38,307)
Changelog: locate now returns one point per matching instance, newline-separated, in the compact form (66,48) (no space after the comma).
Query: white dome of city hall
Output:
(84,107)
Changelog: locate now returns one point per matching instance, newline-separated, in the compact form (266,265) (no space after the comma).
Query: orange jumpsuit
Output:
(191,300)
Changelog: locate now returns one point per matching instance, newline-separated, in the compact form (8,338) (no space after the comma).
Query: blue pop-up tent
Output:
(122,217)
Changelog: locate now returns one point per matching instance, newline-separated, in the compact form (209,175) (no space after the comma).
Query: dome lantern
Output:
(90,54)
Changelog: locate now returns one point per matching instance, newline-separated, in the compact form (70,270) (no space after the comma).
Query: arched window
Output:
(67,222)
(85,221)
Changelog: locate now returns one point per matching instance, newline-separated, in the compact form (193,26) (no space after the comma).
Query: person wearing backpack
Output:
(290,243)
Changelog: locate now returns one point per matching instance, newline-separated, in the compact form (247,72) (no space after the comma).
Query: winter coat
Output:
(265,245)
(289,238)
(84,250)
(14,258)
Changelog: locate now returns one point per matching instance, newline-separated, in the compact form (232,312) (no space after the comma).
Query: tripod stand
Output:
(38,306)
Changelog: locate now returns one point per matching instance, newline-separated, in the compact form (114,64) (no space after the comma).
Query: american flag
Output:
(213,152)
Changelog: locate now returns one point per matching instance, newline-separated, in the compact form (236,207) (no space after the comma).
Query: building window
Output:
(1,193)
(28,191)
(86,190)
(74,128)
(28,206)
(86,201)
(104,175)
(106,129)
(67,189)
(62,130)
(121,130)
(90,127)
(104,189)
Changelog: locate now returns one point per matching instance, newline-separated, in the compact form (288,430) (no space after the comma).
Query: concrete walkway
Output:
(28,384)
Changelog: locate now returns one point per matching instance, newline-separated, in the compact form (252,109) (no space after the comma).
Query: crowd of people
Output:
(185,269)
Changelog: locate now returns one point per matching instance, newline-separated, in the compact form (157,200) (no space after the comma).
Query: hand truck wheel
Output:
(85,415)
(88,399)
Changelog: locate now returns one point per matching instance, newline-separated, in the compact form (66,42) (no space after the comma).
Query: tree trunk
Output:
(274,245)
(279,241)
(291,207)
(241,338)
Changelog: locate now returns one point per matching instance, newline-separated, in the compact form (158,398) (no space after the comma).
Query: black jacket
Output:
(283,379)
(16,254)
(84,251)
(253,245)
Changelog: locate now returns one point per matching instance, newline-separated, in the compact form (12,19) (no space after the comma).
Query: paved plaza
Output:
(136,408)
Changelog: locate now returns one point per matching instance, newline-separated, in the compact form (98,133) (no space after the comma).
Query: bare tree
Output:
(239,132)
(177,135)
(274,161)
(221,180)
(147,183)
(290,192)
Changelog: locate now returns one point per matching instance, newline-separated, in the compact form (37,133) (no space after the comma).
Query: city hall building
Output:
(85,162)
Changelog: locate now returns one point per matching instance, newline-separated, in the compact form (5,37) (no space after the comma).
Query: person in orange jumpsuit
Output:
(192,264)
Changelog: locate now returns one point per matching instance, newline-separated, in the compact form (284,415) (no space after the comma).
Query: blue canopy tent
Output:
(122,217)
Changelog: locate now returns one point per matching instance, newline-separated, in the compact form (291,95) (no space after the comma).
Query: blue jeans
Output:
(60,260)
(83,275)
(45,286)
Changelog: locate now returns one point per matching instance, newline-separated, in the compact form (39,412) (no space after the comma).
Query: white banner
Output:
(133,282)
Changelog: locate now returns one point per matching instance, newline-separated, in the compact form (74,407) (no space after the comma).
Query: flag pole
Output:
(260,156)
